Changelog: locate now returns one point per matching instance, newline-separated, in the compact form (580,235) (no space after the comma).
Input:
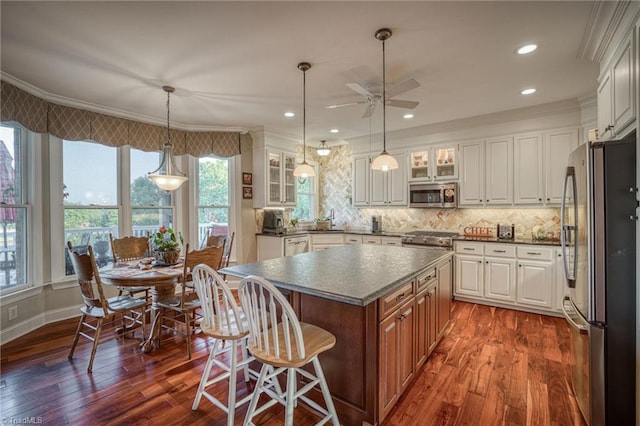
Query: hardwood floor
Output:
(494,367)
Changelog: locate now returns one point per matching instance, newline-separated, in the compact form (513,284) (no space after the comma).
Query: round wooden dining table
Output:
(160,279)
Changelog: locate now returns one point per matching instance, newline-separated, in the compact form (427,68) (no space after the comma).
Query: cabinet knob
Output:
(479,261)
(487,262)
(519,266)
(540,199)
(548,199)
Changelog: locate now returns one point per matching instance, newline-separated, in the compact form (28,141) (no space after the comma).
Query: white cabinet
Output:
(352,239)
(558,144)
(471,188)
(510,275)
(378,188)
(434,163)
(499,171)
(391,241)
(274,183)
(616,93)
(270,247)
(371,239)
(528,184)
(360,181)
(535,277)
(325,241)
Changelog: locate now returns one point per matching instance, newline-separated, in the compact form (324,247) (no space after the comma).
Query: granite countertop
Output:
(514,241)
(354,274)
(335,231)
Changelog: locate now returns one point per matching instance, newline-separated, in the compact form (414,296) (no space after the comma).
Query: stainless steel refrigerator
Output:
(599,222)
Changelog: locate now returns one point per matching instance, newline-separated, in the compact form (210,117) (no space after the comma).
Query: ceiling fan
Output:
(373,99)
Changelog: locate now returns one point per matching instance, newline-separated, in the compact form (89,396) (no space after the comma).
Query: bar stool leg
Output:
(325,391)
(291,392)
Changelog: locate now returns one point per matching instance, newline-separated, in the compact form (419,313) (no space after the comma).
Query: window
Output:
(90,198)
(151,207)
(213,196)
(306,193)
(13,208)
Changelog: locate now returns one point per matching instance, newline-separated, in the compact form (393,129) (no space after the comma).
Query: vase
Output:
(168,257)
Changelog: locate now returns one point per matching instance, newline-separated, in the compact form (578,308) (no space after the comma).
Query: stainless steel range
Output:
(429,238)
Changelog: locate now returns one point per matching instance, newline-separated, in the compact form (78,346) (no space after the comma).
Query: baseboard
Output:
(10,333)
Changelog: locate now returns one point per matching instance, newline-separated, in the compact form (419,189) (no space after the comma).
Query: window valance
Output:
(69,123)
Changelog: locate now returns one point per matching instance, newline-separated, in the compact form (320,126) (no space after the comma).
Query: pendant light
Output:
(384,161)
(304,170)
(323,149)
(167,176)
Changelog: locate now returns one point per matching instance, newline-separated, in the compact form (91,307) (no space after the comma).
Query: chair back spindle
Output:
(88,278)
(275,331)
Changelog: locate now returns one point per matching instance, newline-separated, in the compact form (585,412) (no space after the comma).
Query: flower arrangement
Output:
(165,240)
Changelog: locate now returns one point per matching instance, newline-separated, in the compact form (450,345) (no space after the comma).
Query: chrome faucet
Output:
(332,216)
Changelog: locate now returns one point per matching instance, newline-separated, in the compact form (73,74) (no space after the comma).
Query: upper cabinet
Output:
(280,182)
(434,163)
(377,188)
(523,169)
(616,93)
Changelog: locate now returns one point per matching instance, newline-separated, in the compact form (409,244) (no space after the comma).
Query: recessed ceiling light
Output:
(527,48)
(528,91)
(289,114)
(408,116)
(334,130)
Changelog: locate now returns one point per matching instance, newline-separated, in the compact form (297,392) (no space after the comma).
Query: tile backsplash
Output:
(334,174)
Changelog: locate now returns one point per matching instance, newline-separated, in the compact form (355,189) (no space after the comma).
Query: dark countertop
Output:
(335,231)
(514,241)
(354,274)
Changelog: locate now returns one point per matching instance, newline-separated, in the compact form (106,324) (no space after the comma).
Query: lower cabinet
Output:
(519,275)
(412,320)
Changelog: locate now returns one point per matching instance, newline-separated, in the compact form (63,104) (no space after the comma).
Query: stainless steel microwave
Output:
(433,195)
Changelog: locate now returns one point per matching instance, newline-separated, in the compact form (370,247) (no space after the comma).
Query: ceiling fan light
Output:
(323,150)
(304,170)
(384,162)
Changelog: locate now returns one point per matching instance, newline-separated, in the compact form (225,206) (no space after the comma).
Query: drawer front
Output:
(371,240)
(500,250)
(327,239)
(391,301)
(391,241)
(353,239)
(535,253)
(469,248)
(425,279)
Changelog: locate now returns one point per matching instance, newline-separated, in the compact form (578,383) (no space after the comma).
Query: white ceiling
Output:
(234,64)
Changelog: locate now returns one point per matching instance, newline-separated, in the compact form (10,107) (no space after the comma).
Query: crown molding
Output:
(127,115)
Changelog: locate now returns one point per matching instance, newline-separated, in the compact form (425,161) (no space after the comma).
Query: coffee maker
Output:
(273,222)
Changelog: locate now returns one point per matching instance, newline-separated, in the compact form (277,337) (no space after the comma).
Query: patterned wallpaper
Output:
(334,173)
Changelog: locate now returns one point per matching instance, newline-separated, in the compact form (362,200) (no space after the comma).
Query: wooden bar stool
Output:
(223,320)
(283,344)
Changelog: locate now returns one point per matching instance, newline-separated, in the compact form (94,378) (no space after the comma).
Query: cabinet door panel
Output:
(535,284)
(499,171)
(422,328)
(443,291)
(406,352)
(469,275)
(500,279)
(557,147)
(378,189)
(527,152)
(397,183)
(360,184)
(604,108)
(388,377)
(623,89)
(472,174)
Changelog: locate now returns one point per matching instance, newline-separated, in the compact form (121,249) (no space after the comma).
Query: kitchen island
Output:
(387,306)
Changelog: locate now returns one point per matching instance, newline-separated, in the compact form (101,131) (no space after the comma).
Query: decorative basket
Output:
(168,257)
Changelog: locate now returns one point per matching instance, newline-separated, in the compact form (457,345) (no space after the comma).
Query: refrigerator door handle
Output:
(565,235)
(567,311)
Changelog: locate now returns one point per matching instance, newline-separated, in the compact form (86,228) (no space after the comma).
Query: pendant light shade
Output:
(304,170)
(167,176)
(323,149)
(384,161)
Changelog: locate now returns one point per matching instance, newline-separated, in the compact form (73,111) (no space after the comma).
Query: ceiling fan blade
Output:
(402,104)
(344,105)
(369,110)
(402,87)
(359,89)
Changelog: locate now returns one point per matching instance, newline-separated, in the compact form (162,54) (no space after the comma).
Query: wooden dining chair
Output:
(181,309)
(224,321)
(97,307)
(225,241)
(127,249)
(283,344)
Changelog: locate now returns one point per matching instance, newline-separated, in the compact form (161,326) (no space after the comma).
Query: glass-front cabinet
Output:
(281,184)
(436,163)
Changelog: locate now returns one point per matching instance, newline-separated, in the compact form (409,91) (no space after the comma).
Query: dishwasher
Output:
(296,245)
